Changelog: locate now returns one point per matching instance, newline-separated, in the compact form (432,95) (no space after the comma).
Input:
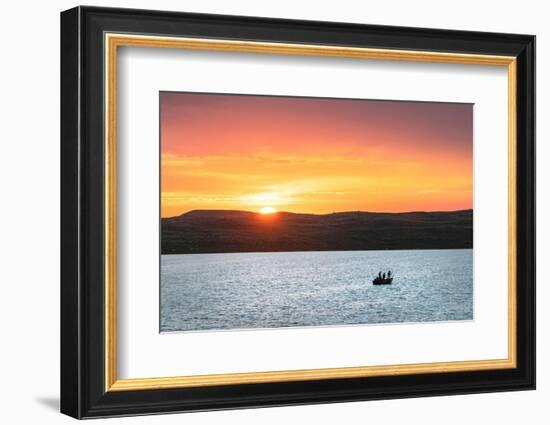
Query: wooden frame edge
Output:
(114,40)
(306,375)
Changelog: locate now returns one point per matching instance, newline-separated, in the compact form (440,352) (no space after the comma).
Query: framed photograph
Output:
(261,212)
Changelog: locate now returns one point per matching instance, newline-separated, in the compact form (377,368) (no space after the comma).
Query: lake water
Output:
(282,289)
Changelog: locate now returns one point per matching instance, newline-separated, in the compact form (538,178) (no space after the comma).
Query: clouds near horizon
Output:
(313,155)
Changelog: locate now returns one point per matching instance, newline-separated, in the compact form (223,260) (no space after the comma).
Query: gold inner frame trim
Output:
(113,41)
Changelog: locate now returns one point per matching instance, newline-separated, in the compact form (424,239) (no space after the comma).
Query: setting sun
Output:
(268,210)
(313,155)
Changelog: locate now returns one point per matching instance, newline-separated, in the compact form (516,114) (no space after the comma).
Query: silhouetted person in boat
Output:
(383,275)
(389,274)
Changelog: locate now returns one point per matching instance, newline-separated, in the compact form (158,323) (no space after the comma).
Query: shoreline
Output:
(320,250)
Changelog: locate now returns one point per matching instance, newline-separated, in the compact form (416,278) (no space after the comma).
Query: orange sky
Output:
(313,155)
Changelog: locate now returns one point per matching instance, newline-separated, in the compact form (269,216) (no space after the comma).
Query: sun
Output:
(268,210)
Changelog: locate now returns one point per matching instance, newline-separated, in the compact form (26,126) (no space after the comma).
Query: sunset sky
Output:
(313,155)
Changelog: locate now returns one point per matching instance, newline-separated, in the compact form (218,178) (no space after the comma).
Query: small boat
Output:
(383,280)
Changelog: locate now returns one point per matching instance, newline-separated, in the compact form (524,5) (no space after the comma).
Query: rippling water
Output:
(282,289)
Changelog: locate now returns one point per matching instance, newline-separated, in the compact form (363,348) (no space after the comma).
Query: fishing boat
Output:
(383,279)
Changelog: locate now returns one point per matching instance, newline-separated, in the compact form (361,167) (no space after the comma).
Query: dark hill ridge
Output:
(211,231)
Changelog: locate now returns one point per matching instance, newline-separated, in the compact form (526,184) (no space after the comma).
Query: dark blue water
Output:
(282,289)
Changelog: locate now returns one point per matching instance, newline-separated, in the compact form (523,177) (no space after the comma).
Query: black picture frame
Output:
(83,392)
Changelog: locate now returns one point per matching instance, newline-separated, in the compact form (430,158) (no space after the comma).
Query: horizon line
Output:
(317,214)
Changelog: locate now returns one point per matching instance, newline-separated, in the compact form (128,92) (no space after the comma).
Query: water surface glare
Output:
(284,289)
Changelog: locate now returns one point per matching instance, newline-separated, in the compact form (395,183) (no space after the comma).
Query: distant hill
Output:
(210,231)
